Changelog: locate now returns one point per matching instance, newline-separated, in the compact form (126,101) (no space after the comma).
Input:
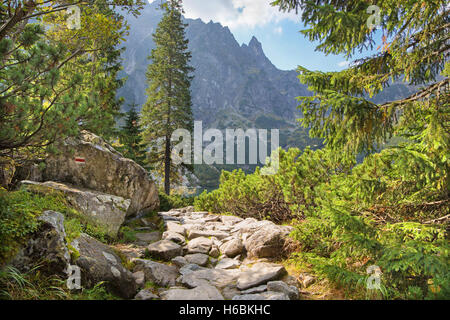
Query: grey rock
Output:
(203,292)
(280,286)
(199,245)
(105,170)
(214,252)
(228,263)
(139,277)
(207,233)
(249,297)
(158,273)
(258,289)
(146,295)
(232,248)
(267,242)
(179,261)
(197,258)
(216,277)
(98,263)
(164,250)
(176,227)
(259,274)
(104,210)
(174,237)
(230,220)
(46,244)
(270,295)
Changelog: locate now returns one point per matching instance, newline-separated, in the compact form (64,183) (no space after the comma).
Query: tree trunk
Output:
(167,167)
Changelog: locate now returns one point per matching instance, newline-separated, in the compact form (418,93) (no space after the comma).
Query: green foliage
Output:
(174,201)
(279,197)
(56,81)
(18,213)
(130,142)
(168,107)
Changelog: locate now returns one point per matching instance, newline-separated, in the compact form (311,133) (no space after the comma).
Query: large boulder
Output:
(160,274)
(46,246)
(99,263)
(91,163)
(267,242)
(104,210)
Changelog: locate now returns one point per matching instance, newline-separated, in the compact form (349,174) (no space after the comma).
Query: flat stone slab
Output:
(164,250)
(146,295)
(200,245)
(176,227)
(158,273)
(207,233)
(259,274)
(258,289)
(228,263)
(249,297)
(216,277)
(198,259)
(204,292)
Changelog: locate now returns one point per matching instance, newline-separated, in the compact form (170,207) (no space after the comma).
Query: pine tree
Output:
(56,81)
(130,137)
(168,107)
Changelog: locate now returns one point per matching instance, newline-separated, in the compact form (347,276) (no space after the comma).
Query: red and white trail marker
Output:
(80,160)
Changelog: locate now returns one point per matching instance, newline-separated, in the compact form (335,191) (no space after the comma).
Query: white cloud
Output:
(344,64)
(236,13)
(278,30)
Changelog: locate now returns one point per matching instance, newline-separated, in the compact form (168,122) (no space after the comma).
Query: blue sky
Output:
(277,31)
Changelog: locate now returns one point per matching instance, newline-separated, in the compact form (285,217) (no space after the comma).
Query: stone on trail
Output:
(259,274)
(230,220)
(267,242)
(207,233)
(203,292)
(280,286)
(200,245)
(176,227)
(216,277)
(270,295)
(158,273)
(249,297)
(253,290)
(179,261)
(174,237)
(232,248)
(197,258)
(164,250)
(146,295)
(228,263)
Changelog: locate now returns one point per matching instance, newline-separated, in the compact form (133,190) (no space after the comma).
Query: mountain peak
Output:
(254,43)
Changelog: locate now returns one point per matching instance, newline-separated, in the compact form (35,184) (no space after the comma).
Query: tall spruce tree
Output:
(168,107)
(130,137)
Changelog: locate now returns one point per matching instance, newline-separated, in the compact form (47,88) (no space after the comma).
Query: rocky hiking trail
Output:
(202,256)
(176,255)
